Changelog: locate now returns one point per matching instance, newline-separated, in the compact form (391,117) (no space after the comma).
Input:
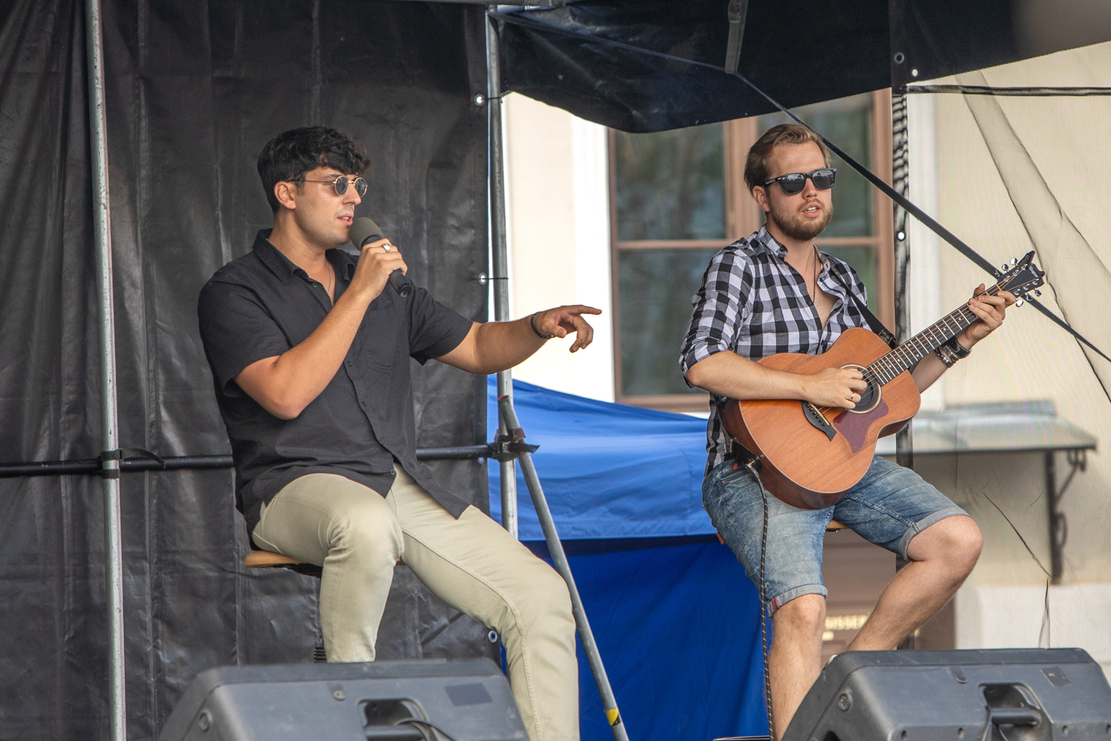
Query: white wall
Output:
(558,234)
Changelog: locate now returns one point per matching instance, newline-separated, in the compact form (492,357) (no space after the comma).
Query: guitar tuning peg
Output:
(1004,266)
(1014,261)
(1038,292)
(1020,302)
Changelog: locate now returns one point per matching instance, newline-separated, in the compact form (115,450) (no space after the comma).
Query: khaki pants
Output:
(471,563)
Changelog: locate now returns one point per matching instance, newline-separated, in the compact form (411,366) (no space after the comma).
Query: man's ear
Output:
(286,193)
(760,194)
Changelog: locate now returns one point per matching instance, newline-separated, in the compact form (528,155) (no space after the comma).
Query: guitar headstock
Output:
(1022,277)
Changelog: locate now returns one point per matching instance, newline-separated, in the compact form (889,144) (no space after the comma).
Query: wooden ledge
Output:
(271,560)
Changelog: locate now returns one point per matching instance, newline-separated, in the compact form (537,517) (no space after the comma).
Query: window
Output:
(677,197)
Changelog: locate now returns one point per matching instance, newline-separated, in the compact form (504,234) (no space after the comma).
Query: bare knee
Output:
(954,542)
(802,618)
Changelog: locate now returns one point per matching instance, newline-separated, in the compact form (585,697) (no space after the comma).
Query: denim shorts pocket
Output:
(727,475)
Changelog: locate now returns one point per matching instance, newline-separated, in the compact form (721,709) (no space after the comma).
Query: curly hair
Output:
(291,154)
(756,164)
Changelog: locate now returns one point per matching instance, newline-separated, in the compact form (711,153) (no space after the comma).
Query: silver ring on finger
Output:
(386,247)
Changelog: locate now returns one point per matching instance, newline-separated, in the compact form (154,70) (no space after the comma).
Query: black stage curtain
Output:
(194,90)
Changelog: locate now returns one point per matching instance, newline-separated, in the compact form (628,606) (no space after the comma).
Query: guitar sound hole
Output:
(871,396)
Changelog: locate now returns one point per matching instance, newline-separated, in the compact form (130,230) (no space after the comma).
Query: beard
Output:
(796,226)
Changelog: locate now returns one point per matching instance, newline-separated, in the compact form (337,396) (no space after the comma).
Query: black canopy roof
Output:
(651,65)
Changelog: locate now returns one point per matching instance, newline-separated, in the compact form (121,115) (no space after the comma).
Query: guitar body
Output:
(807,466)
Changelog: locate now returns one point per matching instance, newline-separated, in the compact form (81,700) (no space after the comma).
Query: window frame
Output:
(743,217)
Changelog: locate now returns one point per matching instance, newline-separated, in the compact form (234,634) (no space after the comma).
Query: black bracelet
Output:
(951,352)
(960,352)
(532,323)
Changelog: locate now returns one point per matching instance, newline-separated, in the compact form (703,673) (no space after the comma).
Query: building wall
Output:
(558,235)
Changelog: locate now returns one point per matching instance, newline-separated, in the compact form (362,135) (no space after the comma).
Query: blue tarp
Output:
(676,621)
(608,470)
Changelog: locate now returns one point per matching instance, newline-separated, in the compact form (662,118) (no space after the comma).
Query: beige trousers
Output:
(471,563)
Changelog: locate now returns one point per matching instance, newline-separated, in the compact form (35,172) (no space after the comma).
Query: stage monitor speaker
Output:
(981,695)
(468,700)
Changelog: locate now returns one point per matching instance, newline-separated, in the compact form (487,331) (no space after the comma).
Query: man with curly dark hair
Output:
(310,357)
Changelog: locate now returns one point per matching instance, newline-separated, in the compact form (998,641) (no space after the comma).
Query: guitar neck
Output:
(907,355)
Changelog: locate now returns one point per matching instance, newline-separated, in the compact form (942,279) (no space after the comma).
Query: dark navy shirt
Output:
(261,305)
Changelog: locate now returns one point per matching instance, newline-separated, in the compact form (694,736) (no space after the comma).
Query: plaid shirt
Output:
(753,303)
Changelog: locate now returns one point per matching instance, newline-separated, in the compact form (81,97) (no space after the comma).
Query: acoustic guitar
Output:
(809,456)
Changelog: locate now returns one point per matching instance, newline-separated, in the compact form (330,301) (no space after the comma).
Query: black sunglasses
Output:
(340,184)
(793,182)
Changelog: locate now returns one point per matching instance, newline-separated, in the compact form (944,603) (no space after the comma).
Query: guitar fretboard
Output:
(907,355)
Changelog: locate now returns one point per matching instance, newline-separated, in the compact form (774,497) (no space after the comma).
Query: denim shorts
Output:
(888,507)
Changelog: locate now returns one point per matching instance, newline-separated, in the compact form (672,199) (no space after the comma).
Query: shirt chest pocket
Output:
(379,344)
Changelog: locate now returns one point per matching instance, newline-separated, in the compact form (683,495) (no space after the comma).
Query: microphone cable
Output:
(764,595)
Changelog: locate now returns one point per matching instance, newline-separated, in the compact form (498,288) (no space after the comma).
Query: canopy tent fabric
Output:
(651,65)
(1019,156)
(1051,188)
(678,627)
(609,471)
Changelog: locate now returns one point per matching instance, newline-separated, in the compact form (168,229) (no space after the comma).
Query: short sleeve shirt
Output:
(753,303)
(260,306)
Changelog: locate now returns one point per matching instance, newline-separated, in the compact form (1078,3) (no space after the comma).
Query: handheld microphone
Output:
(364,230)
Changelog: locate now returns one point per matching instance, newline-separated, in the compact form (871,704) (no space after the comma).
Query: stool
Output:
(271,560)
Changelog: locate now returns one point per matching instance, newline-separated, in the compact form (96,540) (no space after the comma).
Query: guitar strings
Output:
(885,369)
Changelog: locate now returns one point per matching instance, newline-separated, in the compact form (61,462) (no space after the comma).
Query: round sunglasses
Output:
(340,184)
(793,182)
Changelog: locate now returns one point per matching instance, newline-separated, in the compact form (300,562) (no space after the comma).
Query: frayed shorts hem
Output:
(925,522)
(778,601)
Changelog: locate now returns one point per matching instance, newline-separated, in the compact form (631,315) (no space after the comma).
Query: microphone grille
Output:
(364,230)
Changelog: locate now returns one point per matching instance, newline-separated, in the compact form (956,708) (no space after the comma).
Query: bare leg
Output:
(795,658)
(942,556)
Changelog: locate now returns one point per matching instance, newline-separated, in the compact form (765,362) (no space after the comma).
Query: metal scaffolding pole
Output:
(499,257)
(508,425)
(110,469)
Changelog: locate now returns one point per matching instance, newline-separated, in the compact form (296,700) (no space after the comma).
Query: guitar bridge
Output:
(817,419)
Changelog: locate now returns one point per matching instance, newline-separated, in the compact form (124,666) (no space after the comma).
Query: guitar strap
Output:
(873,321)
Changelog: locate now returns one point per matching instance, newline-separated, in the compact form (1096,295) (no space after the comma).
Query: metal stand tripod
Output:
(510,446)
